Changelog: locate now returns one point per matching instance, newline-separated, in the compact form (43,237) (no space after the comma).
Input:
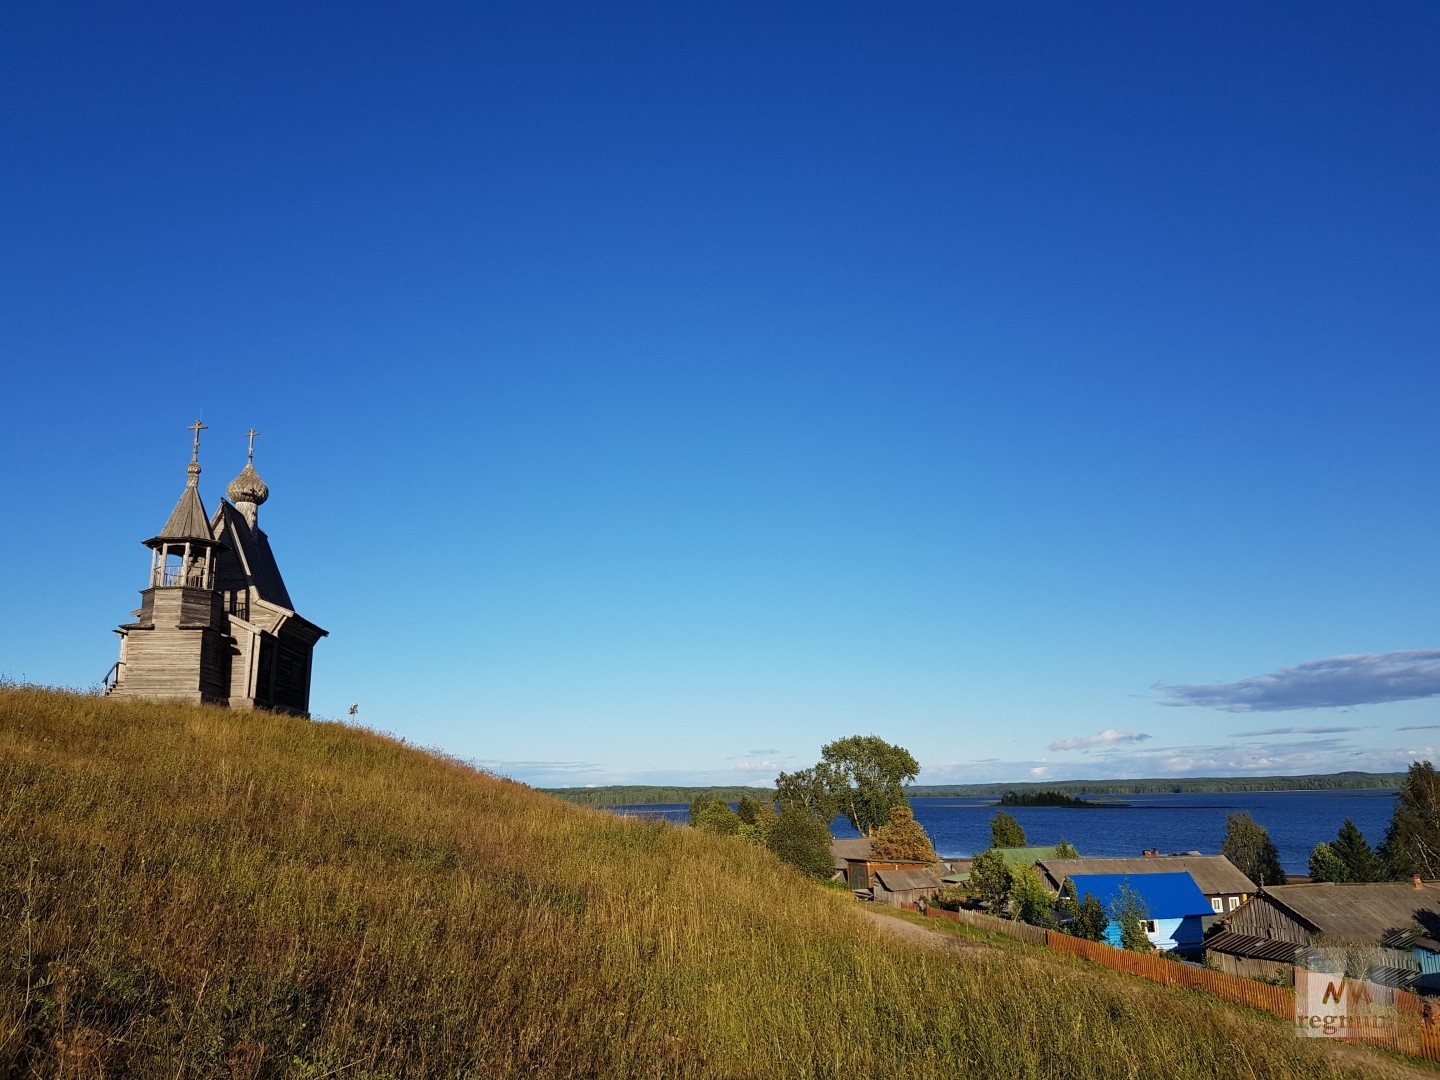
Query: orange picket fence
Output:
(1414,1031)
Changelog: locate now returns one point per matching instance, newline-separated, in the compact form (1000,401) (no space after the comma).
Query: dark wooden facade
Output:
(216,623)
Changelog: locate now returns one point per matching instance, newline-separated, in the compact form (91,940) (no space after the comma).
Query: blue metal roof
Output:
(1166,896)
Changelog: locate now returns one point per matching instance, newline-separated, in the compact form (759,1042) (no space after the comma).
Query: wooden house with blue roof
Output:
(1174,906)
(216,623)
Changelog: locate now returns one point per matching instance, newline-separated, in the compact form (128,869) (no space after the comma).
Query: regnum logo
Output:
(1335,1000)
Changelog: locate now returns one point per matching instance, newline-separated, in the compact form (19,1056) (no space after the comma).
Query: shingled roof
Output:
(1214,874)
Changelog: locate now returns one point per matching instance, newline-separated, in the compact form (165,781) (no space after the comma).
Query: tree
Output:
(867,776)
(1128,910)
(1066,850)
(1005,831)
(1091,919)
(746,809)
(990,878)
(758,831)
(1029,898)
(1248,845)
(811,789)
(801,839)
(1412,843)
(1325,865)
(903,838)
(1361,862)
(714,815)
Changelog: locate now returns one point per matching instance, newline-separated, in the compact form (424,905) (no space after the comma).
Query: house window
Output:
(1234,902)
(1218,904)
(1150,926)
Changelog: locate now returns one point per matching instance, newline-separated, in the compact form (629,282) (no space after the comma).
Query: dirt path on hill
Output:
(1373,1064)
(924,935)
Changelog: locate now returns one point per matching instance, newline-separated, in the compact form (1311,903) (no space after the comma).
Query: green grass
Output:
(187,891)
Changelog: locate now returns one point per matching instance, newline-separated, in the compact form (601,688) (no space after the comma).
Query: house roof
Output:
(1214,874)
(904,880)
(1166,896)
(1373,912)
(1026,856)
(849,847)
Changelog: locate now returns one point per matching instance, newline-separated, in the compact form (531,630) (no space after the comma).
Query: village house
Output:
(904,886)
(845,848)
(1015,858)
(1223,885)
(1174,906)
(861,872)
(1397,923)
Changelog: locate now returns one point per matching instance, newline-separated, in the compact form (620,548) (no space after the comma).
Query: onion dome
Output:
(248,487)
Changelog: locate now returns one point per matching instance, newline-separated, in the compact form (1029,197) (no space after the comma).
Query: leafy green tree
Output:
(867,776)
(1066,850)
(1248,845)
(1361,862)
(990,880)
(1325,865)
(1029,898)
(758,831)
(714,815)
(811,789)
(801,839)
(1412,843)
(1005,831)
(746,809)
(1091,919)
(903,838)
(1128,909)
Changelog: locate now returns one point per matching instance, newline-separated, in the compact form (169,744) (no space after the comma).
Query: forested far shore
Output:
(1178,785)
(642,795)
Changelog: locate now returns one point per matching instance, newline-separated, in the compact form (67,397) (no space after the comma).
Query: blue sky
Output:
(653,393)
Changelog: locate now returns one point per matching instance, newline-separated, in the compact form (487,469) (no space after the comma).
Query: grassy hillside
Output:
(194,892)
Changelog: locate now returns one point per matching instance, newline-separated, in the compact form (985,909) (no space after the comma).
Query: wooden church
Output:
(216,623)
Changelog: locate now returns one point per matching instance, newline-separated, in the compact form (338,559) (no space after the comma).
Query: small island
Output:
(1051,798)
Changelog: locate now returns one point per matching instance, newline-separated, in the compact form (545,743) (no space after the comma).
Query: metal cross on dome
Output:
(251,436)
(197,427)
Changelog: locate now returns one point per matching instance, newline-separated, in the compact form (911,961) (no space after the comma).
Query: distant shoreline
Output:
(645,795)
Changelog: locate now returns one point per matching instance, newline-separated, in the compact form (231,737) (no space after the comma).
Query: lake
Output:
(1296,820)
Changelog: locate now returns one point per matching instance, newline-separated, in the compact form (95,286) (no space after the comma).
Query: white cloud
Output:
(1108,737)
(767,767)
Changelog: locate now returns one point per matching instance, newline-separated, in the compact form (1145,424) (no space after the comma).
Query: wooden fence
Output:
(1414,1031)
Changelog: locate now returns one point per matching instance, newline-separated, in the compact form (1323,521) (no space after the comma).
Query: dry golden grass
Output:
(194,892)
